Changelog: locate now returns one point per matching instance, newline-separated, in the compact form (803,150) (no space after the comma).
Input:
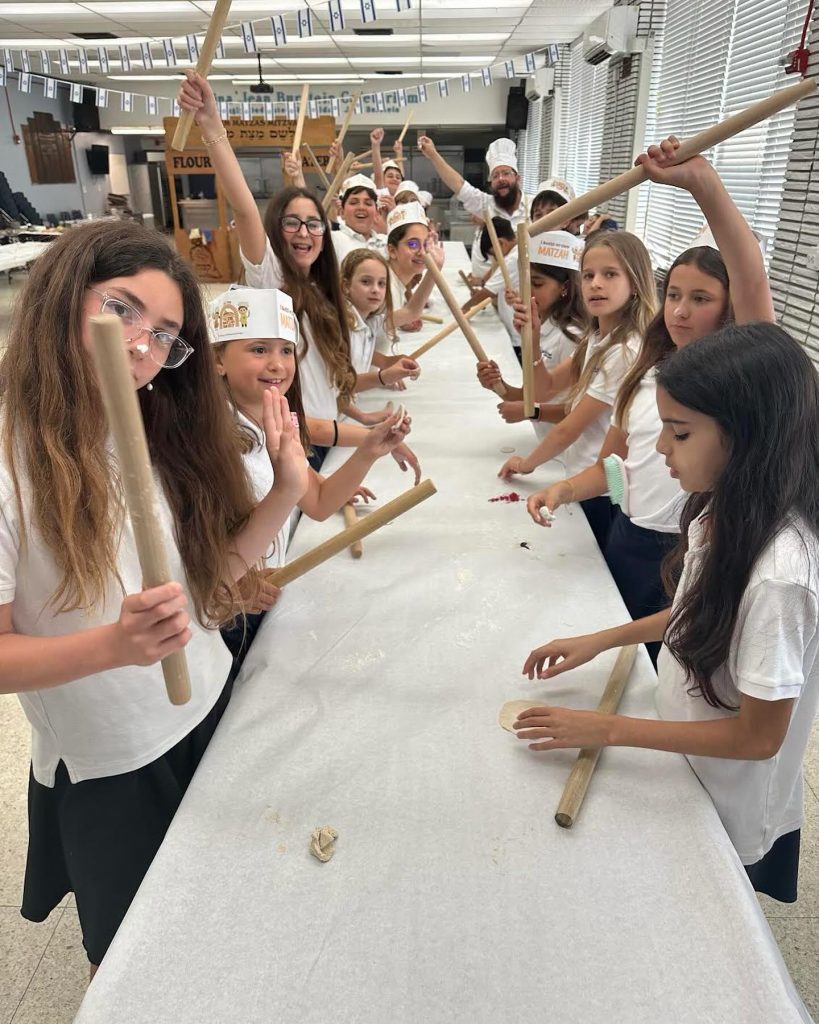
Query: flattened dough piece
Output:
(323,842)
(510,711)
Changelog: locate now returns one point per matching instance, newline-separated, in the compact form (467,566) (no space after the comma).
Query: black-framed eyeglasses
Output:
(165,349)
(292,224)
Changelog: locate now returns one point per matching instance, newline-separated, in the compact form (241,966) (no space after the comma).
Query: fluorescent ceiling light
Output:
(10,9)
(165,7)
(277,79)
(127,130)
(408,61)
(38,43)
(136,79)
(359,41)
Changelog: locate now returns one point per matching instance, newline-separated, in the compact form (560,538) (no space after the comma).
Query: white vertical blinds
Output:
(719,56)
(529,148)
(581,126)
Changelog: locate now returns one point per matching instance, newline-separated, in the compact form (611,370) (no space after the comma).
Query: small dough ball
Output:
(510,711)
(323,842)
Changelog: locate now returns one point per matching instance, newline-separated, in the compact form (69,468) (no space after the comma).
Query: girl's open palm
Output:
(283,446)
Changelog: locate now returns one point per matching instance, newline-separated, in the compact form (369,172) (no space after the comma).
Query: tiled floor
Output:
(43,969)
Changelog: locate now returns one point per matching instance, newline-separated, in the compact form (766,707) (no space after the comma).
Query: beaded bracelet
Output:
(213,142)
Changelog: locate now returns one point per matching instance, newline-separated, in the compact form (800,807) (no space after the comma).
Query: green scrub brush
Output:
(616,481)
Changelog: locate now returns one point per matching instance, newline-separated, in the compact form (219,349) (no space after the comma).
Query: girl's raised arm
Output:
(196,95)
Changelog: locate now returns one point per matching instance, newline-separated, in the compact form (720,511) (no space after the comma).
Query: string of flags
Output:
(373,102)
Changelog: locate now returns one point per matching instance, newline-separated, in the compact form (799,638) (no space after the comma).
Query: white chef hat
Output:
(502,153)
(358,181)
(409,186)
(556,249)
(705,236)
(406,213)
(559,187)
(243,313)
(392,165)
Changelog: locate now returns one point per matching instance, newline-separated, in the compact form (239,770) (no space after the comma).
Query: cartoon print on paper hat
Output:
(407,213)
(556,249)
(358,181)
(243,313)
(502,153)
(559,187)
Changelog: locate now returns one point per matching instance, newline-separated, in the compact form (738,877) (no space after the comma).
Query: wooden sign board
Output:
(277,134)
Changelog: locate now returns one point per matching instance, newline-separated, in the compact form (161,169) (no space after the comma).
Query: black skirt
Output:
(777,873)
(97,838)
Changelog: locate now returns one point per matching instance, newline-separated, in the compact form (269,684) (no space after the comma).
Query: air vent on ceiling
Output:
(373,31)
(389,72)
(94,35)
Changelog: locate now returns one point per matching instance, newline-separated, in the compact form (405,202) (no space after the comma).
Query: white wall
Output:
(95,188)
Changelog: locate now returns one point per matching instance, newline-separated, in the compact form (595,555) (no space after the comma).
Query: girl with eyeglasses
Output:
(290,249)
(408,239)
(80,639)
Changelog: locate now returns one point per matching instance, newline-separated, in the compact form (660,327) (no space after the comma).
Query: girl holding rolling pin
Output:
(80,639)
(738,673)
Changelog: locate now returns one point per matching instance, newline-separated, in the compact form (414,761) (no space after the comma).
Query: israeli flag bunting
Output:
(8,61)
(402,98)
(147,56)
(554,53)
(292,112)
(45,63)
(304,19)
(177,110)
(24,82)
(268,110)
(102,98)
(102,55)
(170,52)
(83,61)
(193,47)
(76,92)
(380,105)
(367,10)
(220,49)
(335,106)
(279,31)
(64,67)
(336,15)
(422,93)
(245,111)
(529,60)
(312,109)
(125,58)
(152,105)
(403,5)
(127,102)
(248,37)
(443,89)
(25,60)
(509,68)
(359,106)
(50,88)
(2,75)
(466,83)
(223,110)
(486,75)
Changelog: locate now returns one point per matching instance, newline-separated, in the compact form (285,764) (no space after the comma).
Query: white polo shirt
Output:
(774,655)
(346,239)
(367,337)
(604,387)
(260,471)
(111,722)
(555,348)
(319,394)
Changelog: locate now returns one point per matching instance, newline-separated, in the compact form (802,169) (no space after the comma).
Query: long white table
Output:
(369,702)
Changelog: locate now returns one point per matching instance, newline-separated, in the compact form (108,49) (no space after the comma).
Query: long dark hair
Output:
(763,391)
(657,343)
(317,296)
(569,311)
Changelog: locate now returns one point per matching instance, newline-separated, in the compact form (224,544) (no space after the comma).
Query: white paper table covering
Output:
(369,702)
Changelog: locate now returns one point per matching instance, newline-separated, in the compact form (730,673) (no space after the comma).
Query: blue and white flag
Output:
(292,110)
(76,92)
(102,98)
(403,5)
(402,98)
(50,89)
(170,52)
(312,109)
(127,104)
(359,106)
(102,56)
(554,53)
(304,19)
(509,68)
(529,61)
(380,105)
(45,63)
(336,15)
(25,60)
(125,58)
(443,88)
(8,61)
(147,56)
(249,37)
(367,10)
(223,110)
(64,65)
(2,75)
(335,107)
(220,49)
(245,111)
(486,76)
(24,82)
(177,110)
(268,110)
(193,47)
(466,83)
(278,29)
(422,93)
(152,105)
(83,61)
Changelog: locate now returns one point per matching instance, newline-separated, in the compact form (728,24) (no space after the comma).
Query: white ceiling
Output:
(436,39)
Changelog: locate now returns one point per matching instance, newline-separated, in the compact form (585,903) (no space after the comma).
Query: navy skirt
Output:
(777,873)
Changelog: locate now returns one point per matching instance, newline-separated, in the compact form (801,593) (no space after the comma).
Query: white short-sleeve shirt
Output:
(367,337)
(260,471)
(555,348)
(319,394)
(604,387)
(346,239)
(114,721)
(476,201)
(774,655)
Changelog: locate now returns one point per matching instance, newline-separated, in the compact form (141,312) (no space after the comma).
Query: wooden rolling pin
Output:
(406,126)
(453,326)
(324,179)
(428,318)
(580,777)
(499,258)
(206,55)
(305,99)
(350,519)
(340,175)
(713,136)
(526,348)
(362,528)
(125,420)
(465,280)
(344,126)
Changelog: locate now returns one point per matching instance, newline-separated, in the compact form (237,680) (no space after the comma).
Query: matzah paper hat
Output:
(244,313)
(556,249)
(407,213)
(559,187)
(358,181)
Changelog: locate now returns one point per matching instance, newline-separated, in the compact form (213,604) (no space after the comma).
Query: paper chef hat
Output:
(502,153)
(407,213)
(556,249)
(559,187)
(409,186)
(392,165)
(358,181)
(242,313)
